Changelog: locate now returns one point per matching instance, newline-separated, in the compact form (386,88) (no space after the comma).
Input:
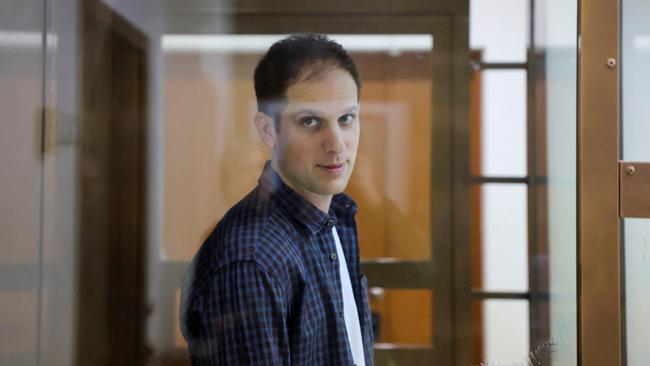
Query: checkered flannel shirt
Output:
(265,289)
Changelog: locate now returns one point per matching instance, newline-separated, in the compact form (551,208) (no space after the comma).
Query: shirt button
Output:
(330,222)
(333,256)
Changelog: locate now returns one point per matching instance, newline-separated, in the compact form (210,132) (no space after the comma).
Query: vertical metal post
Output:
(461,188)
(533,304)
(599,271)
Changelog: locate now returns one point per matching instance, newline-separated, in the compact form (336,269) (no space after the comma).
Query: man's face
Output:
(316,145)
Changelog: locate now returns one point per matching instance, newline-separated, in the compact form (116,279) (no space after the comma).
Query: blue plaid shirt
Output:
(265,289)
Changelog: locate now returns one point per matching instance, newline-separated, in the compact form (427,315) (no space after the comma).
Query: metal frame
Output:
(634,178)
(599,251)
(537,326)
(461,193)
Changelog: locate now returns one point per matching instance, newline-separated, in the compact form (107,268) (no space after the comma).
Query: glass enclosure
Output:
(388,185)
(127,134)
(635,75)
(559,168)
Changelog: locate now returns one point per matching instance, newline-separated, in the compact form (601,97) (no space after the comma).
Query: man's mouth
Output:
(332,168)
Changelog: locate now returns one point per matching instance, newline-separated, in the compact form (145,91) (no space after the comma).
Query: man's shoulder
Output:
(252,230)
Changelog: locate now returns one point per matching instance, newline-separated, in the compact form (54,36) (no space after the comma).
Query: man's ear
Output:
(266,129)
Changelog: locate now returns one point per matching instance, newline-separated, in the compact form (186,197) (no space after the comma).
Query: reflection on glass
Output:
(635,44)
(557,42)
(392,179)
(637,290)
(203,155)
(393,44)
(636,76)
(213,155)
(21,52)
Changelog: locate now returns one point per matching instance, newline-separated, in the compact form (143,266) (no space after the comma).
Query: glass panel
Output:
(505,332)
(637,290)
(504,237)
(389,183)
(153,141)
(394,151)
(21,101)
(635,78)
(555,178)
(392,179)
(59,266)
(503,117)
(122,146)
(500,29)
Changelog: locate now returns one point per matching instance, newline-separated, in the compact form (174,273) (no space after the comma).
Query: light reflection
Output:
(389,43)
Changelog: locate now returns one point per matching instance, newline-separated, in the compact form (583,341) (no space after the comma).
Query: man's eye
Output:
(309,121)
(347,118)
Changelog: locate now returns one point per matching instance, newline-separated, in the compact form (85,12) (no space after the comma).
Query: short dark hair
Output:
(285,62)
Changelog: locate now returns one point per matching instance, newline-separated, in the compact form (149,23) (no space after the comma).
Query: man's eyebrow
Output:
(316,112)
(305,111)
(351,108)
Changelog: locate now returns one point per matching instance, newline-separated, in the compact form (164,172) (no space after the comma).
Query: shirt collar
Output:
(294,205)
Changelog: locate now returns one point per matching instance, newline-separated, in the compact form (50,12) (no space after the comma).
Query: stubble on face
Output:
(317,141)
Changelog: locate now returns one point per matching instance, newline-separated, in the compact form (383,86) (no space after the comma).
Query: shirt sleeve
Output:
(239,319)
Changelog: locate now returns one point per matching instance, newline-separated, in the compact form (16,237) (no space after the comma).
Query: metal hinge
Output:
(60,130)
(634,189)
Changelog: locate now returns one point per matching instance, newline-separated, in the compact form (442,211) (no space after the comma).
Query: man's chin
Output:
(334,187)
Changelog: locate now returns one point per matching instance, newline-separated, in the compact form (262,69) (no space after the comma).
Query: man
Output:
(278,280)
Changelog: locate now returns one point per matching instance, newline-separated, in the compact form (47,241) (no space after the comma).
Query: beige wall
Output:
(21,65)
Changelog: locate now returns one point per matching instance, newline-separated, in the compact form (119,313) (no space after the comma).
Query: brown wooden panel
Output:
(399,274)
(281,24)
(110,324)
(391,354)
(461,194)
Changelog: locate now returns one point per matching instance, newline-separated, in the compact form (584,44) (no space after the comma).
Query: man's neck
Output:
(322,202)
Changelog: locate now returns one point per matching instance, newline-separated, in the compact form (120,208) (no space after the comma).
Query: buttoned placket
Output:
(329,224)
(334,259)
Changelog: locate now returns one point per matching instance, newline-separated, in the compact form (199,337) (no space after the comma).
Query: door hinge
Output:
(634,189)
(60,130)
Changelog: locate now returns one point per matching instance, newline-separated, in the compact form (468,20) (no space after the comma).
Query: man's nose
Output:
(333,141)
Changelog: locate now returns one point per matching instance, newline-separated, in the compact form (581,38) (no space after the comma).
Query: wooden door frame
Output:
(111,253)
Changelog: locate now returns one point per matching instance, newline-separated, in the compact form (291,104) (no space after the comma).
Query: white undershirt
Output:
(349,306)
